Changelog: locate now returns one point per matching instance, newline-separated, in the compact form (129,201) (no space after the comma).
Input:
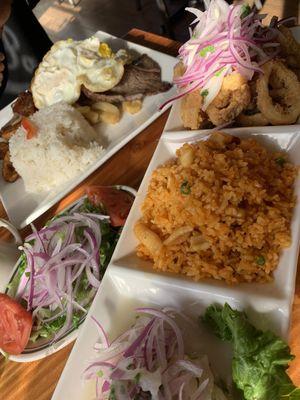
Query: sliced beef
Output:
(141,78)
(24,104)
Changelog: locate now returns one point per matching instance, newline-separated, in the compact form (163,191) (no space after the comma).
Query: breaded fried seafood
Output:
(232,99)
(284,107)
(235,71)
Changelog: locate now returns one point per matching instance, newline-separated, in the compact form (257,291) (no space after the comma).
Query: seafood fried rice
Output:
(221,209)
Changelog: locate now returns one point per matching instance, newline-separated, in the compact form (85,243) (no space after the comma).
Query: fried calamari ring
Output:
(276,112)
(289,45)
(190,110)
(251,116)
(232,99)
(256,119)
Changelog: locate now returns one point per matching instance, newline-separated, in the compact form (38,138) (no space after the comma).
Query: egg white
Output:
(70,64)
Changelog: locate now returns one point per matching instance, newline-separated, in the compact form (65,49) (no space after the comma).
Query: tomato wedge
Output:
(15,325)
(116,202)
(30,128)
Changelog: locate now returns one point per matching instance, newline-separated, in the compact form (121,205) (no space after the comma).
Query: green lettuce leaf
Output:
(260,359)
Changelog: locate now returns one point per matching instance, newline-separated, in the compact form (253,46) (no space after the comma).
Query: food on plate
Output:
(8,171)
(132,106)
(87,72)
(289,46)
(283,107)
(116,203)
(231,100)
(62,265)
(68,65)
(142,77)
(260,359)
(230,67)
(3,149)
(24,105)
(53,146)
(150,361)
(221,209)
(15,325)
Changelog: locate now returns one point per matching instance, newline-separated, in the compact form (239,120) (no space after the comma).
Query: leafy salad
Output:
(62,264)
(260,359)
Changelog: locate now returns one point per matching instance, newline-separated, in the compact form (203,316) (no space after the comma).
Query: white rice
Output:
(65,146)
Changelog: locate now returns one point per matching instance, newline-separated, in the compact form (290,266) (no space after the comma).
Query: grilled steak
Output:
(141,78)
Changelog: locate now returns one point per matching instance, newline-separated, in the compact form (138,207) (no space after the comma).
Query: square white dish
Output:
(124,290)
(23,207)
(263,297)
(174,122)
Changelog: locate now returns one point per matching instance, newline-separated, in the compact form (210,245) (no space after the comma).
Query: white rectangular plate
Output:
(23,207)
(130,282)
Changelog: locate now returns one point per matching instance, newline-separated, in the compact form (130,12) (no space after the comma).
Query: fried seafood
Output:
(289,46)
(190,109)
(255,119)
(284,107)
(8,171)
(251,116)
(232,99)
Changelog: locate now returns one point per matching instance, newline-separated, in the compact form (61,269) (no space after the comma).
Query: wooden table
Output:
(37,380)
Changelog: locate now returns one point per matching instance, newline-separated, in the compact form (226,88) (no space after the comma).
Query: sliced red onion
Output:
(56,263)
(221,37)
(138,367)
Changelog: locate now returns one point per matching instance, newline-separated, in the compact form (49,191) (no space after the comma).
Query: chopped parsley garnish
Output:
(246,10)
(137,378)
(280,161)
(112,394)
(204,93)
(185,188)
(260,260)
(206,50)
(218,73)
(100,373)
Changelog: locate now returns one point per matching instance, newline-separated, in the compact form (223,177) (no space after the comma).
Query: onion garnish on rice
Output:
(225,38)
(149,361)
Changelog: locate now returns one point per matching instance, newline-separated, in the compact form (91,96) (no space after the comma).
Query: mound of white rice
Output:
(65,146)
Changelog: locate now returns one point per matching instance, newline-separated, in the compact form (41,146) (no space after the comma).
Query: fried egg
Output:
(70,64)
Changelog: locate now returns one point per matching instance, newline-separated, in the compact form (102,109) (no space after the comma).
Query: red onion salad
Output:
(61,268)
(149,361)
(226,38)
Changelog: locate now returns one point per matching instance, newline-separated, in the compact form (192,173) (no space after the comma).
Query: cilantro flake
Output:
(185,188)
(208,49)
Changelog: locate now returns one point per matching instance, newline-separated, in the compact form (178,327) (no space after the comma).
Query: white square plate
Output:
(23,207)
(130,282)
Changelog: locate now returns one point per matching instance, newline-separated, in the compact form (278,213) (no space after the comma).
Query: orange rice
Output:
(221,209)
